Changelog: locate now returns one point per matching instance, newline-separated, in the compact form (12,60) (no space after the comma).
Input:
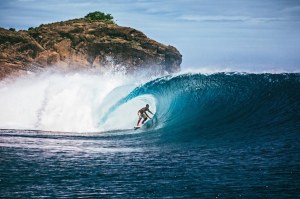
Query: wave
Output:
(186,106)
(196,105)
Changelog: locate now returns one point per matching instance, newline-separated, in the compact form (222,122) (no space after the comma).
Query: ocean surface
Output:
(222,135)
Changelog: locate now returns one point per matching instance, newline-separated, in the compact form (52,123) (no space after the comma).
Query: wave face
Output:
(192,106)
(186,107)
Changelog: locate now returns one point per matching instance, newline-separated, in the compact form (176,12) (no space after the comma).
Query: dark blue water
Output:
(213,136)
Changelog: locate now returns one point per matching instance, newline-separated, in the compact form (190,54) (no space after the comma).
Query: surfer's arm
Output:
(150,112)
(147,115)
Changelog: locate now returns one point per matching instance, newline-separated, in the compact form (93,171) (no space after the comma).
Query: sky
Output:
(231,35)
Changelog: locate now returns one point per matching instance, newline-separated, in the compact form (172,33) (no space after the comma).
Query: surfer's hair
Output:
(147,105)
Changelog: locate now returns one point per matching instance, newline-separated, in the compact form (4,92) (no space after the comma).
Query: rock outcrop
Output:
(83,44)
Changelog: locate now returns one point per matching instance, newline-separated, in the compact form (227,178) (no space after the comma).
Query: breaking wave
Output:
(185,106)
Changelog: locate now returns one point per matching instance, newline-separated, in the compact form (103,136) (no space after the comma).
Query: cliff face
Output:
(80,43)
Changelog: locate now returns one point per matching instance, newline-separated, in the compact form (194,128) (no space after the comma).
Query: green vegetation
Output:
(12,29)
(94,16)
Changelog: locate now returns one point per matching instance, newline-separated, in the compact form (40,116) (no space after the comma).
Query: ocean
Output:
(221,135)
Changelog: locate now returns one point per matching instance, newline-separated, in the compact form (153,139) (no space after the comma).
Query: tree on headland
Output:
(94,16)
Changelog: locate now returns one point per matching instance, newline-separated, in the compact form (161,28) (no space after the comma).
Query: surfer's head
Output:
(147,105)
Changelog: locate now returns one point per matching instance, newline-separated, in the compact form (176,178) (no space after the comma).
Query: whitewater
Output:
(221,135)
(69,102)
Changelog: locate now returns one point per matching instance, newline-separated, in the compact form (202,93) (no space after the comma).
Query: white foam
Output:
(72,102)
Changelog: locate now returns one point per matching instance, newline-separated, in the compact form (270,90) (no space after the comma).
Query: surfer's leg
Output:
(140,117)
(138,121)
(144,120)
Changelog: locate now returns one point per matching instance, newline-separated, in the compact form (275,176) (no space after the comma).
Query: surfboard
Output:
(136,127)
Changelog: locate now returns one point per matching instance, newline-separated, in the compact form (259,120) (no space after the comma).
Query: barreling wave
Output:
(190,106)
(187,106)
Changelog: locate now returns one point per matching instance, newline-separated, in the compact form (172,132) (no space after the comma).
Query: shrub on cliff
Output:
(94,16)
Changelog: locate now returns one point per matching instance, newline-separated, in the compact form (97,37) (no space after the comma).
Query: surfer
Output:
(142,113)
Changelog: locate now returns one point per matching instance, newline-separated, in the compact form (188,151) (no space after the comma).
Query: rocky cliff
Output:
(83,44)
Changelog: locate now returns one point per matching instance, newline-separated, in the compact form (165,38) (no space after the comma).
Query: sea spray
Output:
(60,102)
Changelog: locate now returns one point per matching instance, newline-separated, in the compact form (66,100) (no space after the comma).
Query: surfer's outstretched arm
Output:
(147,115)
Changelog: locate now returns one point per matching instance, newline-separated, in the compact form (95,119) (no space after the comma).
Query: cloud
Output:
(26,1)
(220,18)
(294,10)
(213,18)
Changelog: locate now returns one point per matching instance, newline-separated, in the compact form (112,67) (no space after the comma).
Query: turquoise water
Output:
(212,136)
